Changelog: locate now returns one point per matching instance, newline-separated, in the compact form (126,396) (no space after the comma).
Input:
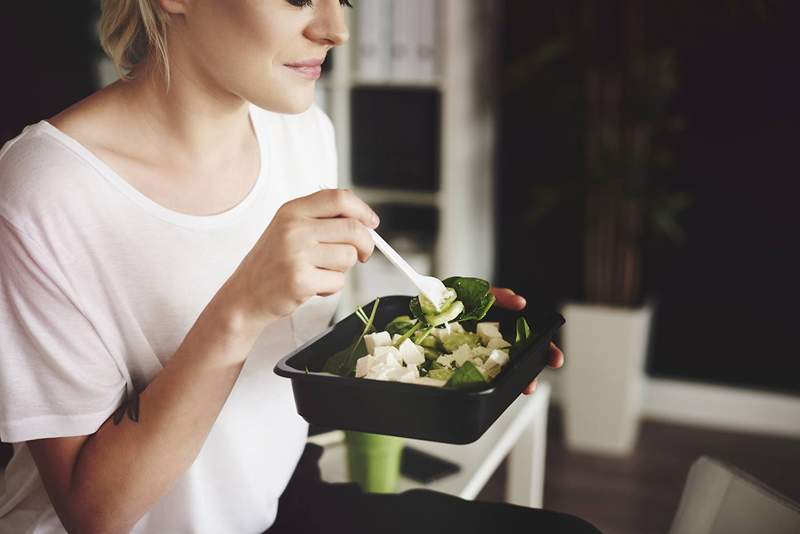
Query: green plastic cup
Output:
(373,460)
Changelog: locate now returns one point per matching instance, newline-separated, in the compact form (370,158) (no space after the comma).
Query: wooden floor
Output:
(639,495)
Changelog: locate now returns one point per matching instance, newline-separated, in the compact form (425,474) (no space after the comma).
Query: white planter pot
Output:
(603,376)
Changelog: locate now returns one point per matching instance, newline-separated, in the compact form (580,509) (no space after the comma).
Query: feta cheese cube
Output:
(411,353)
(389,356)
(403,374)
(363,364)
(497,358)
(456,328)
(380,372)
(481,352)
(497,343)
(462,354)
(445,360)
(378,339)
(487,331)
(396,338)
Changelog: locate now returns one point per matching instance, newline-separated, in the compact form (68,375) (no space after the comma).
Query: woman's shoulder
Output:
(38,169)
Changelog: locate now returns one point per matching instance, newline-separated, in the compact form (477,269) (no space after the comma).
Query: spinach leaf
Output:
(416,311)
(399,325)
(466,375)
(474,294)
(523,336)
(343,363)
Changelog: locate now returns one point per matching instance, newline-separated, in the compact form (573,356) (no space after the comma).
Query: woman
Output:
(164,244)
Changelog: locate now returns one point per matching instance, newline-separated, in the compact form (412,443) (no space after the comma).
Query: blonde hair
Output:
(130,30)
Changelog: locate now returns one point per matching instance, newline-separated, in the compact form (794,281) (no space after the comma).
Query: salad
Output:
(448,347)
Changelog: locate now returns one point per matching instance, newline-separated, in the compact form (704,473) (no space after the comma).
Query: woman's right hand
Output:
(306,250)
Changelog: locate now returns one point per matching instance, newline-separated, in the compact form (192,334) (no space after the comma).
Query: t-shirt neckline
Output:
(159,210)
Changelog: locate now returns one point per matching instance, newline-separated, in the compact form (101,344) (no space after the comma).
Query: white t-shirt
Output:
(99,286)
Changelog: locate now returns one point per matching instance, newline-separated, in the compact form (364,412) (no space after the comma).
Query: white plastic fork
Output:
(430,286)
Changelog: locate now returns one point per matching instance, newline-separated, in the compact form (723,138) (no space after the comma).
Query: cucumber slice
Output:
(429,309)
(449,314)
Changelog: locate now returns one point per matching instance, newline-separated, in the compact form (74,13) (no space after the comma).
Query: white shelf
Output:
(466,145)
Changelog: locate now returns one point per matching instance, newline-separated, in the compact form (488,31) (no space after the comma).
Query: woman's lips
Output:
(311,69)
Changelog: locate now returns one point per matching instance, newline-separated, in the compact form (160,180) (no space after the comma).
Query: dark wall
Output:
(726,298)
(49,52)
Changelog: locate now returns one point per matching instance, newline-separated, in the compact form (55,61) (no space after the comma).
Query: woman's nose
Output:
(329,24)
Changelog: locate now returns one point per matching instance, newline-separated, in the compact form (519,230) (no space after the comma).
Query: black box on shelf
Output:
(395,137)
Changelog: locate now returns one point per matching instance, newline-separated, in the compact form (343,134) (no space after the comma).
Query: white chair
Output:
(720,499)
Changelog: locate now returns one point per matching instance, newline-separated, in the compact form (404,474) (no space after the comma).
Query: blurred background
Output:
(629,163)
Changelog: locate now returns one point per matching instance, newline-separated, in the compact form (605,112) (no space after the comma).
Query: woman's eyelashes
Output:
(310,3)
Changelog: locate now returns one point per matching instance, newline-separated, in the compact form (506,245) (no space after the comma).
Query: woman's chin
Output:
(291,104)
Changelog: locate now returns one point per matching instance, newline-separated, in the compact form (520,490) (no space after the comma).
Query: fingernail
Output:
(375,220)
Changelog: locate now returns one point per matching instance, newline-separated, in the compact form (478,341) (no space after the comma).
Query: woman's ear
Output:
(175,7)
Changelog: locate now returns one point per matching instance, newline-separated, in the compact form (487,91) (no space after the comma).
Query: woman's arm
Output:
(107,481)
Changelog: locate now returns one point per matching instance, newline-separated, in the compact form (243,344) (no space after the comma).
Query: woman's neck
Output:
(192,119)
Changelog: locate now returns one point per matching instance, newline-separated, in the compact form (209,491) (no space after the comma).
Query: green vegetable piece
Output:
(343,363)
(429,309)
(441,373)
(522,338)
(474,293)
(465,376)
(425,340)
(456,339)
(431,354)
(416,326)
(400,325)
(447,316)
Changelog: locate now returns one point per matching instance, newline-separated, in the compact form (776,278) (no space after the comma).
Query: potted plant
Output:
(625,97)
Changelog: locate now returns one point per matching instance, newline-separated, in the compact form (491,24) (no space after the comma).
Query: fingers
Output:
(328,282)
(333,257)
(345,231)
(330,203)
(506,298)
(555,357)
(531,387)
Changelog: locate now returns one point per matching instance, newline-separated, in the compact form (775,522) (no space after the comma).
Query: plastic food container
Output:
(410,410)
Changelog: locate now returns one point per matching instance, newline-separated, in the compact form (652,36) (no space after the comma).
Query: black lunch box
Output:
(410,410)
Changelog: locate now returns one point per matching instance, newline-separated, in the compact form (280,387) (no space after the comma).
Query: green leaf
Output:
(523,330)
(343,363)
(416,311)
(522,338)
(399,325)
(474,293)
(466,375)
(416,326)
(470,291)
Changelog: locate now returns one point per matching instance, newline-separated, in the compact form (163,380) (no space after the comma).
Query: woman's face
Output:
(255,48)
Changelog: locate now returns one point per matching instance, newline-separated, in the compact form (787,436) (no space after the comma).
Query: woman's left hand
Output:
(506,298)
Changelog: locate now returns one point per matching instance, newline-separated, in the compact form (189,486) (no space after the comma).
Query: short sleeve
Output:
(56,376)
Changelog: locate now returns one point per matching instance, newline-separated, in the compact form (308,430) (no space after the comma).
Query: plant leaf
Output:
(522,338)
(343,363)
(466,375)
(399,325)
